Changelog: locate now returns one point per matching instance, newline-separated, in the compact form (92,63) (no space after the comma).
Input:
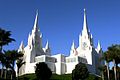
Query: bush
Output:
(80,72)
(42,71)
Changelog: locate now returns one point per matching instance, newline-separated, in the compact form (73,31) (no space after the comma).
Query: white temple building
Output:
(60,64)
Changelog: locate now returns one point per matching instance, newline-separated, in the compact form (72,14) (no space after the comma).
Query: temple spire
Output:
(36,21)
(47,45)
(47,49)
(21,48)
(73,45)
(91,36)
(98,46)
(36,36)
(85,26)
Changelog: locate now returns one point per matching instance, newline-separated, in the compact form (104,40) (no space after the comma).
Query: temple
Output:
(86,53)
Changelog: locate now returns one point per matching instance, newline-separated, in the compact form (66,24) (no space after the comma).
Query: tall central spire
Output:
(36,21)
(36,34)
(85,26)
(85,36)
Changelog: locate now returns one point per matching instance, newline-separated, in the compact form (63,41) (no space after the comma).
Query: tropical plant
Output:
(19,63)
(4,40)
(107,58)
(114,52)
(42,71)
(3,62)
(11,57)
(101,69)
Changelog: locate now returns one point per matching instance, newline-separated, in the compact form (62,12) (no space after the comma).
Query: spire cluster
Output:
(35,41)
(85,38)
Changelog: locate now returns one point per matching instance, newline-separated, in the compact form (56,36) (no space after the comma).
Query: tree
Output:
(80,72)
(42,71)
(19,63)
(105,72)
(101,69)
(114,52)
(107,58)
(4,40)
(11,57)
(3,62)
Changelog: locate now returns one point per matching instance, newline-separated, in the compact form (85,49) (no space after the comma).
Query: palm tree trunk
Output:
(2,65)
(1,49)
(102,76)
(18,74)
(11,77)
(114,69)
(5,74)
(108,71)
(2,72)
(118,75)
(12,71)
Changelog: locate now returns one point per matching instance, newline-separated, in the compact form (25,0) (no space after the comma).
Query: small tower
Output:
(47,49)
(91,40)
(99,47)
(73,45)
(21,48)
(73,51)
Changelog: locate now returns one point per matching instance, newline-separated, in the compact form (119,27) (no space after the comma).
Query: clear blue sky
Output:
(61,21)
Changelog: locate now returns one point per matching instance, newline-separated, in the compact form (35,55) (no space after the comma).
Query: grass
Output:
(61,77)
(57,77)
(53,77)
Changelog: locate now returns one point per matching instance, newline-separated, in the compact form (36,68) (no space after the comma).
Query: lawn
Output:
(53,77)
(57,77)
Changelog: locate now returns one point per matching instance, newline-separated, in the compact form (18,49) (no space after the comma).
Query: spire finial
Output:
(73,45)
(91,36)
(98,46)
(85,27)
(36,20)
(21,46)
(85,21)
(84,9)
(47,45)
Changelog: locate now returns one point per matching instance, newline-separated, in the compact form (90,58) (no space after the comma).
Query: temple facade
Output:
(86,53)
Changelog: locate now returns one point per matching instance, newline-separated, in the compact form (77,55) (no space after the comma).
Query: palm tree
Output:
(117,68)
(19,63)
(107,59)
(7,65)
(11,57)
(4,40)
(114,52)
(101,68)
(3,62)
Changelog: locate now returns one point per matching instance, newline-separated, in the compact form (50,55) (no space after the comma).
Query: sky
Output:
(61,21)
